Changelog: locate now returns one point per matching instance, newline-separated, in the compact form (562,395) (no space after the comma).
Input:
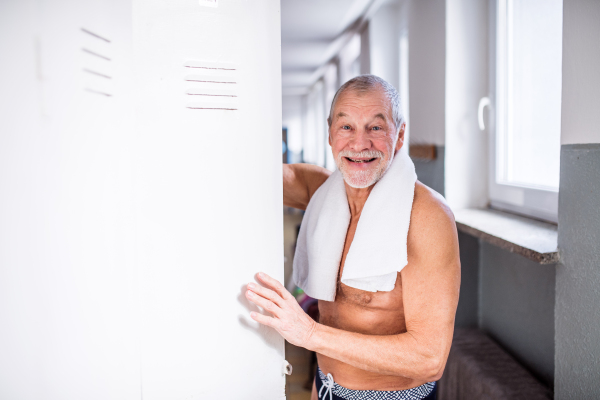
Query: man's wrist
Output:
(313,340)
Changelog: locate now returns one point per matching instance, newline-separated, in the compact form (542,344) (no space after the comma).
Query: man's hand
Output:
(288,317)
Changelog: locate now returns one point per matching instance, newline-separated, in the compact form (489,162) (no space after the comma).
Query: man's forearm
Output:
(419,354)
(399,355)
(300,181)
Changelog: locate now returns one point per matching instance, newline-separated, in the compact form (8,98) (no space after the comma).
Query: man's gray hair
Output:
(367,83)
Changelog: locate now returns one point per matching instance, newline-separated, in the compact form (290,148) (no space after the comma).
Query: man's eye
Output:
(376,128)
(346,127)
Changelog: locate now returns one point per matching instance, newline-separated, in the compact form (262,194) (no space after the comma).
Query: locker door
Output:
(208,194)
(68,292)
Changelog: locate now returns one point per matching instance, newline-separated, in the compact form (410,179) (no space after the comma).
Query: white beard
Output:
(363,179)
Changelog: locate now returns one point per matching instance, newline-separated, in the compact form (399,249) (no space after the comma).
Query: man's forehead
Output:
(374,103)
(378,115)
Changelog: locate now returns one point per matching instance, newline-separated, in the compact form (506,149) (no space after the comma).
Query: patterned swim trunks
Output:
(329,390)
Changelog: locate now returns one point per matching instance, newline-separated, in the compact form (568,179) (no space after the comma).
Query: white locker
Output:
(140,188)
(208,195)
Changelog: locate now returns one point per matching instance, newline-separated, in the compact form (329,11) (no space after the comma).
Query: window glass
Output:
(529,93)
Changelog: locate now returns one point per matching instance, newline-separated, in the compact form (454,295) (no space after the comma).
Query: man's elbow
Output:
(433,368)
(437,372)
(430,369)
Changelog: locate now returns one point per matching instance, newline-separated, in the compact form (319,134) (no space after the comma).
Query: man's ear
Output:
(400,141)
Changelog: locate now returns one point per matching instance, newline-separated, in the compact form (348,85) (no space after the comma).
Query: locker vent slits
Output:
(212,85)
(95,54)
(95,35)
(89,71)
(96,63)
(97,92)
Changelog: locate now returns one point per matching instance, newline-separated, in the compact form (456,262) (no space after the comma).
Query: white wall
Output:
(385,32)
(403,70)
(422,25)
(124,244)
(384,44)
(349,59)
(365,50)
(315,125)
(580,79)
(330,81)
(427,59)
(467,77)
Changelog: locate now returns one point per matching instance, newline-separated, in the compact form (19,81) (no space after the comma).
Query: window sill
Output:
(532,239)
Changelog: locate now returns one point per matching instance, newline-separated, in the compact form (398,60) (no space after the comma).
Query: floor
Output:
(296,387)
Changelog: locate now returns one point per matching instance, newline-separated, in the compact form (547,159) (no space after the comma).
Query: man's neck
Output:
(357,198)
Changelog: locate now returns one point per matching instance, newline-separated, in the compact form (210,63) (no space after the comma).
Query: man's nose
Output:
(360,141)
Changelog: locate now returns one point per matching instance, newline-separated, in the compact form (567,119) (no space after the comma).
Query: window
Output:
(526,94)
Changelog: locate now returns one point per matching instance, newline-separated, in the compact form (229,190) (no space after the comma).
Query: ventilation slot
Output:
(97,63)
(212,86)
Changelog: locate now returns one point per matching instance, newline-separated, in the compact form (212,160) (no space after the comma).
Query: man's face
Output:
(363,136)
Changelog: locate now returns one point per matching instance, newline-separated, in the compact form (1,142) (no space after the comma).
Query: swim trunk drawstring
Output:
(329,385)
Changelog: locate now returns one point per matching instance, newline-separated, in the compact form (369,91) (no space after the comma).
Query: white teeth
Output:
(360,161)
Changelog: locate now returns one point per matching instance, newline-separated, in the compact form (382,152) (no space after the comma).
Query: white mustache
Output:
(362,154)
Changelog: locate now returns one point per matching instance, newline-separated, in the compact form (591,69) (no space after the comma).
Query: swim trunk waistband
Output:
(327,389)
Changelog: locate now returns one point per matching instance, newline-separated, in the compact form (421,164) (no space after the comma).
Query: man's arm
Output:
(300,182)
(430,289)
(430,284)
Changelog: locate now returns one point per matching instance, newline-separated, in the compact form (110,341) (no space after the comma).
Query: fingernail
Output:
(251,286)
(253,314)
(250,294)
(261,274)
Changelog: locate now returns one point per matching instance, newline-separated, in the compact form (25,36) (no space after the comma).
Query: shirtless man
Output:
(383,341)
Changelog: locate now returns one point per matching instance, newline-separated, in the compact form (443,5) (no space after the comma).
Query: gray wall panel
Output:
(517,308)
(578,275)
(466,314)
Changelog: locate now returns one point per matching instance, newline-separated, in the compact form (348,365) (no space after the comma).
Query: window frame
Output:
(537,203)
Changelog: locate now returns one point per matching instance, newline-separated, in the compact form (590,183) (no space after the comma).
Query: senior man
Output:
(376,338)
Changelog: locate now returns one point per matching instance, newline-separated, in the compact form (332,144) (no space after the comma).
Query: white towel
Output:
(378,251)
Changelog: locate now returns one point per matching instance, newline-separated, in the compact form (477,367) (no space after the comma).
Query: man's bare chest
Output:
(361,311)
(355,310)
(391,300)
(345,294)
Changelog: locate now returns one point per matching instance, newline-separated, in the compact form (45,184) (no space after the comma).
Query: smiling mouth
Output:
(361,160)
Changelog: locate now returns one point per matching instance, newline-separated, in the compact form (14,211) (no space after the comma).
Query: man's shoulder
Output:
(428,203)
(431,217)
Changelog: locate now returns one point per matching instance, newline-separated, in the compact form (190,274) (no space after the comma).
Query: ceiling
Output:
(309,29)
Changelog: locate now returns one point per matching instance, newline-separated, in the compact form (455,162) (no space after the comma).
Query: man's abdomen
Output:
(357,311)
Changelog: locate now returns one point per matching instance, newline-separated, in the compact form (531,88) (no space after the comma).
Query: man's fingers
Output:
(275,285)
(263,319)
(264,303)
(266,293)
